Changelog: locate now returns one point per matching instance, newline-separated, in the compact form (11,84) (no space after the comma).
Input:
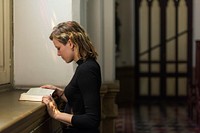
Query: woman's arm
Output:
(54,112)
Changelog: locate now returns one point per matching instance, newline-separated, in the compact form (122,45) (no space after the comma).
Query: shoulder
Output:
(88,67)
(89,64)
(89,73)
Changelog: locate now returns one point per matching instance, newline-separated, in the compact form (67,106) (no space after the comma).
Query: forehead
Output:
(57,43)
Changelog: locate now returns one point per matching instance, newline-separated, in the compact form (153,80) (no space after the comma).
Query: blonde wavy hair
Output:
(74,31)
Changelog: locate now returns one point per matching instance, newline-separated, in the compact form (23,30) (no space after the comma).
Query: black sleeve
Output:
(88,81)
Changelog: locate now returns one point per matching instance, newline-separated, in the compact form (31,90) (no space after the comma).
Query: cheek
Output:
(69,55)
(65,53)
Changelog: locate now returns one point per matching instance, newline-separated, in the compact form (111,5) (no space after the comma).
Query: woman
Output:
(82,94)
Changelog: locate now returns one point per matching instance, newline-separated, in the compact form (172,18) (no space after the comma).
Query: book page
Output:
(39,91)
(35,94)
(26,97)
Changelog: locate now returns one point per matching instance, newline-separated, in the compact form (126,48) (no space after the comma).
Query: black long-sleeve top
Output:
(83,95)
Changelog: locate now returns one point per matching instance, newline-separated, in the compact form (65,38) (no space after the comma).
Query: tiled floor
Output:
(154,118)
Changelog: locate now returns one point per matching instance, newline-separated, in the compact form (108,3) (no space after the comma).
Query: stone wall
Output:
(109,111)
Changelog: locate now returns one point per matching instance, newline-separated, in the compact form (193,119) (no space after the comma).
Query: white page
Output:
(39,91)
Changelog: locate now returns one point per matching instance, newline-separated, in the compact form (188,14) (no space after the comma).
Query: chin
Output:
(67,61)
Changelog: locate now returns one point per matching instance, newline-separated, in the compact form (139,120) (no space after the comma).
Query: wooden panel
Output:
(5,40)
(1,35)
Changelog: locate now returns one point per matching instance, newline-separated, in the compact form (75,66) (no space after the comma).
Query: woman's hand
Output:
(51,106)
(58,91)
(52,87)
(54,112)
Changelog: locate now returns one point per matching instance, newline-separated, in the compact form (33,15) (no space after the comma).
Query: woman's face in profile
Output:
(65,51)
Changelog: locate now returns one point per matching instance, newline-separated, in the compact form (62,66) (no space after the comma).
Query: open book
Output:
(35,94)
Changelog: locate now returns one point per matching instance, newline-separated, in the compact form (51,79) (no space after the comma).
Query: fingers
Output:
(44,86)
(46,99)
(48,86)
(51,106)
